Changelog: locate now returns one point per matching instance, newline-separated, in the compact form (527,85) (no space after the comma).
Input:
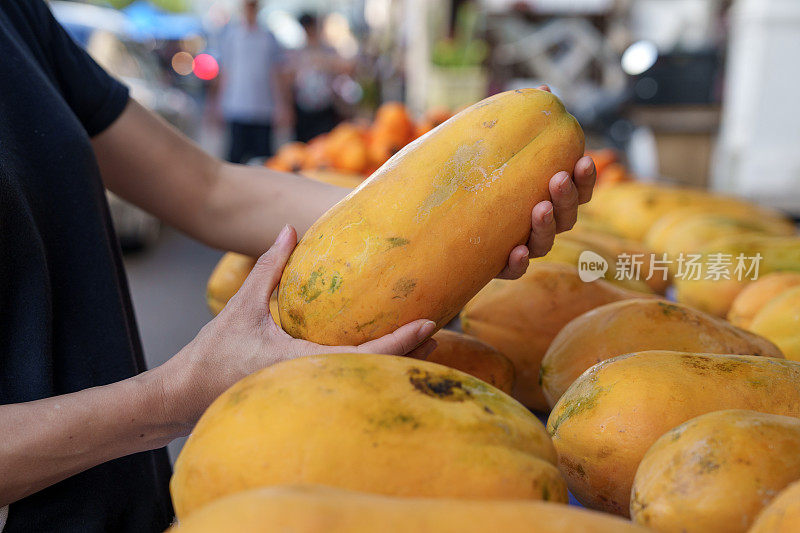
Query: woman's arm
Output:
(47,440)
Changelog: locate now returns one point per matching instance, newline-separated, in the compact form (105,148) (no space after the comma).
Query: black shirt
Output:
(66,321)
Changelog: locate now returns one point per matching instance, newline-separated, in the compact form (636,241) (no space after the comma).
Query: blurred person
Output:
(253,93)
(312,71)
(84,423)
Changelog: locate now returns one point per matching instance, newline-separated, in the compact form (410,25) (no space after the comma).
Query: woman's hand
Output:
(244,338)
(548,218)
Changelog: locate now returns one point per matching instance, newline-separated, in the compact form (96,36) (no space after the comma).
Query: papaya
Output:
(521,317)
(226,278)
(377,423)
(695,231)
(474,357)
(632,208)
(568,250)
(739,215)
(757,294)
(657,279)
(609,417)
(634,326)
(432,226)
(315,509)
(716,472)
(779,321)
(716,296)
(782,515)
(290,157)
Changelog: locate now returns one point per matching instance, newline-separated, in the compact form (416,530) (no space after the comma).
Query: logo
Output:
(591,266)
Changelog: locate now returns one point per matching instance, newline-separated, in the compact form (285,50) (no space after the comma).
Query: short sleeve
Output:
(279,54)
(96,98)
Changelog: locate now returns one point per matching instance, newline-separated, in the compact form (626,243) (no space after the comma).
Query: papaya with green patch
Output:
(608,418)
(375,423)
(433,225)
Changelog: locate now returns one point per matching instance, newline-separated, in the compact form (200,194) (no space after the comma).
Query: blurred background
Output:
(695,92)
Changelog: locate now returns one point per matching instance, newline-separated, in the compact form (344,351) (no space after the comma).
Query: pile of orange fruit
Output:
(609,167)
(358,148)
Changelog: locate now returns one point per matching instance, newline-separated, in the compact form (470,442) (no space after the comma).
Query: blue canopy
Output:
(146,21)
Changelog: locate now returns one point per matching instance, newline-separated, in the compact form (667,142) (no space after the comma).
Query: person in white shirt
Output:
(252,98)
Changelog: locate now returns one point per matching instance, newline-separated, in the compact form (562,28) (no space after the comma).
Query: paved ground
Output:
(168,282)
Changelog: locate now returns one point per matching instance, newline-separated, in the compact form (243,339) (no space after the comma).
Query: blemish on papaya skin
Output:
(403,287)
(360,327)
(490,123)
(488,410)
(576,469)
(437,386)
(397,241)
(699,364)
(296,317)
(310,291)
(727,366)
(395,420)
(336,282)
(545,493)
(579,405)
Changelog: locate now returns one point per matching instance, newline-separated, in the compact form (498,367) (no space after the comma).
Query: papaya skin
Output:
(638,325)
(716,296)
(605,422)
(474,357)
(376,423)
(782,515)
(779,321)
(716,472)
(757,294)
(433,225)
(521,317)
(315,509)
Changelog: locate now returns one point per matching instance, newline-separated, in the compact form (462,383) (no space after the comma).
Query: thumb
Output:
(266,274)
(402,340)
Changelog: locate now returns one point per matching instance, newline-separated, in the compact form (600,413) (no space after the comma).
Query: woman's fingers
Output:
(585,175)
(543,229)
(402,340)
(565,201)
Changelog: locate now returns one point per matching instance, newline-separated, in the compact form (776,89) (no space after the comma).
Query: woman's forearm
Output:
(48,440)
(250,205)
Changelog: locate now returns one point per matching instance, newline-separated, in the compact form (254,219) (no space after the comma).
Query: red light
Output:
(205,67)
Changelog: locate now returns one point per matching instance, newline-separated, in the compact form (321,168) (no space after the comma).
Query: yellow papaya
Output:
(433,225)
(315,509)
(757,294)
(782,515)
(226,278)
(638,325)
(376,423)
(474,357)
(715,296)
(779,321)
(521,317)
(608,418)
(716,472)
(747,216)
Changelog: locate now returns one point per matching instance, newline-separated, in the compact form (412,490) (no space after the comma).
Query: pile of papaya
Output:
(661,415)
(358,148)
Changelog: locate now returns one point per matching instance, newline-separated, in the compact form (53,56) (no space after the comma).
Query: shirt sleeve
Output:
(96,98)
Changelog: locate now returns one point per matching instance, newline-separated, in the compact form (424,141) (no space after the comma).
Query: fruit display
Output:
(716,472)
(413,240)
(660,411)
(520,318)
(610,416)
(634,326)
(376,423)
(782,515)
(315,509)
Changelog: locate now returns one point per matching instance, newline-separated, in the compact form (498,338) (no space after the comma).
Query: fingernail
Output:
(426,329)
(548,216)
(283,235)
(564,182)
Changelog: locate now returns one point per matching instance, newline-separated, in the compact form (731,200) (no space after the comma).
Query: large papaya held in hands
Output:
(433,225)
